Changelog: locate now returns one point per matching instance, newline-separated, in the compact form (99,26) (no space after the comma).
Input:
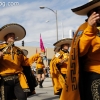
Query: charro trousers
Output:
(90,87)
(11,89)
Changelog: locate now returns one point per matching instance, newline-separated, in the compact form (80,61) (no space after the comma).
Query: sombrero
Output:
(17,29)
(25,52)
(56,49)
(63,41)
(84,9)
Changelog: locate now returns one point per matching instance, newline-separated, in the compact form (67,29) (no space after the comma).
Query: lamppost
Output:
(55,12)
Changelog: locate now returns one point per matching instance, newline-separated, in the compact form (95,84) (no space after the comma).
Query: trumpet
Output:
(9,44)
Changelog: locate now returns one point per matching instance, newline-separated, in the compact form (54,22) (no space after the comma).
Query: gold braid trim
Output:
(94,89)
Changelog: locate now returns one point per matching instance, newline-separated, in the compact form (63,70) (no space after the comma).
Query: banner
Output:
(41,45)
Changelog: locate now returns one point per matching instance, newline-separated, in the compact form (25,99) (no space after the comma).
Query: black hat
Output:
(84,9)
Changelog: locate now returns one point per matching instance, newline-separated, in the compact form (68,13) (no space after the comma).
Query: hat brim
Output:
(56,49)
(63,41)
(84,9)
(17,29)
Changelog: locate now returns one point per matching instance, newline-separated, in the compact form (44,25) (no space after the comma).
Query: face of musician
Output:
(10,37)
(65,47)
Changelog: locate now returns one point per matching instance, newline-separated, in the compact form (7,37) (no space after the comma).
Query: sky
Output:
(38,21)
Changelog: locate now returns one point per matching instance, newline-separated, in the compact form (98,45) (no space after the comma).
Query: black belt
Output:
(10,77)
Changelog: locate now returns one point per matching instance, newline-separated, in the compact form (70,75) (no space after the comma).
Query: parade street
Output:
(45,93)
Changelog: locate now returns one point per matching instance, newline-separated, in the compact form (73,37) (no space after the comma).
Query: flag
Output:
(41,45)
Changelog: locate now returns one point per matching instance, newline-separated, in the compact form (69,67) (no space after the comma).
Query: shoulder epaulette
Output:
(79,33)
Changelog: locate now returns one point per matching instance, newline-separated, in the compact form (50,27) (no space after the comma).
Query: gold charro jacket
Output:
(39,63)
(12,62)
(57,78)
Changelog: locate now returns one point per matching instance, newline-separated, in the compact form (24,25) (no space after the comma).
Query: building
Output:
(32,50)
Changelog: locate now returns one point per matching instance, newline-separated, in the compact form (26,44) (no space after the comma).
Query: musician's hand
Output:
(42,55)
(93,19)
(1,54)
(61,61)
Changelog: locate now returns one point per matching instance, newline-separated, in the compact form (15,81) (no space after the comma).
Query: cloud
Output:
(29,15)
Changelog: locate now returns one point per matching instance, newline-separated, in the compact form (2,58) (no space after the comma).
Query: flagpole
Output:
(36,50)
(46,57)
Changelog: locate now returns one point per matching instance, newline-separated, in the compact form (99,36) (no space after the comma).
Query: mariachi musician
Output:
(13,80)
(58,64)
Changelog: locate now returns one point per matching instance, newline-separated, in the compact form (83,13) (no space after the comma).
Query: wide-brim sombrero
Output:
(63,41)
(56,49)
(84,9)
(17,29)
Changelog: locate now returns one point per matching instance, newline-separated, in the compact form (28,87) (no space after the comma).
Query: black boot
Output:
(41,86)
(39,82)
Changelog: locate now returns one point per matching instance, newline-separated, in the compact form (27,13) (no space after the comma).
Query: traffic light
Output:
(23,43)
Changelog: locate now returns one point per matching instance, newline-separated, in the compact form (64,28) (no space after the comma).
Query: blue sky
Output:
(36,20)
